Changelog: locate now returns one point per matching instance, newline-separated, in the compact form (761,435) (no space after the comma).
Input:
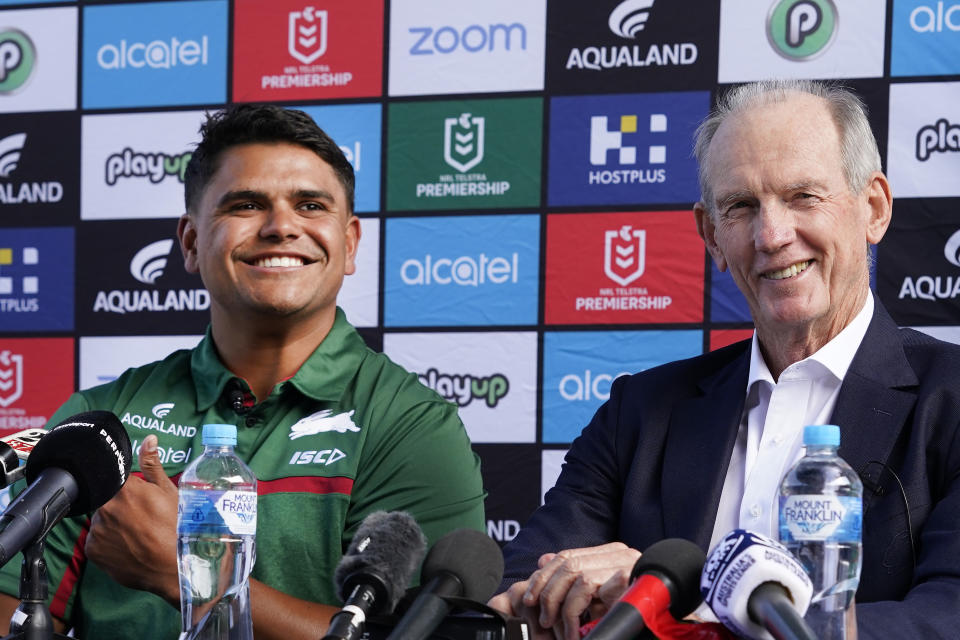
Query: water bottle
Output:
(821,510)
(216,527)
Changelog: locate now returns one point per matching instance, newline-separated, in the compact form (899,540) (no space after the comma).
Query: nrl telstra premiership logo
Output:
(463,141)
(624,254)
(307,34)
(11,377)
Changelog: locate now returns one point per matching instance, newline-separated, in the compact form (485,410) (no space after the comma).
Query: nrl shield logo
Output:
(11,378)
(307,39)
(624,254)
(463,141)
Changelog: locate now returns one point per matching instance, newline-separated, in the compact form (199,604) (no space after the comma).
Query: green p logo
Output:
(801,29)
(17,57)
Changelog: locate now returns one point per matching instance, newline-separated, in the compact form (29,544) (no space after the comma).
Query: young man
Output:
(332,430)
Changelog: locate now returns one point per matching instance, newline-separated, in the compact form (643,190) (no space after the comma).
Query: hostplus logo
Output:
(156,54)
(936,287)
(18,295)
(474,38)
(801,29)
(147,266)
(941,137)
(154,166)
(927,19)
(603,141)
(17,59)
(463,144)
(464,389)
(628,20)
(24,192)
(307,43)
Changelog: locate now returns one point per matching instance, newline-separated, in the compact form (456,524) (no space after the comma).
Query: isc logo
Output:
(326,457)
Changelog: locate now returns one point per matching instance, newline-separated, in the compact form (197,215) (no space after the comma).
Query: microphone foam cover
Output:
(471,556)
(385,551)
(681,561)
(740,563)
(94,448)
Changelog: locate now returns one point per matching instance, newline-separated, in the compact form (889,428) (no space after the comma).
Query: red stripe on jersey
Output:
(295,484)
(58,608)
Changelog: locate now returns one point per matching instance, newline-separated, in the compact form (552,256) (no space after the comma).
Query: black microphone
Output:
(14,449)
(464,563)
(757,588)
(374,573)
(666,577)
(79,465)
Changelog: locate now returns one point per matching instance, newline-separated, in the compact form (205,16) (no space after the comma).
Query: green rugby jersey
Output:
(350,433)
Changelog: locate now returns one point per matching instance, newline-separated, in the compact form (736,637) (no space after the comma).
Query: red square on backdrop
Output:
(36,377)
(723,337)
(623,268)
(299,50)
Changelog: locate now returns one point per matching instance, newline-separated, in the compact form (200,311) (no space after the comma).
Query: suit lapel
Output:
(702,432)
(872,406)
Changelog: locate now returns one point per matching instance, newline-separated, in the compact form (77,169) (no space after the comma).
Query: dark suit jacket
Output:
(651,465)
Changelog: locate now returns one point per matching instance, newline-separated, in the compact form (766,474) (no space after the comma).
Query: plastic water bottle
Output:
(821,510)
(216,527)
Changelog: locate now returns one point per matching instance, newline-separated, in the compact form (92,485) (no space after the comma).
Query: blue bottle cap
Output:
(821,435)
(219,434)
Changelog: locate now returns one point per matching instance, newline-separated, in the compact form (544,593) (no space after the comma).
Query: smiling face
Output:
(784,221)
(272,235)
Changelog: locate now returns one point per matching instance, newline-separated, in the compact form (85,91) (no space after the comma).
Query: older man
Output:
(792,195)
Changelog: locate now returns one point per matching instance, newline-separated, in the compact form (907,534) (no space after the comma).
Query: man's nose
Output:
(775,227)
(280,221)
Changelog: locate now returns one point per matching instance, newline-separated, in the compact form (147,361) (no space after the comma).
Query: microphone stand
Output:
(32,619)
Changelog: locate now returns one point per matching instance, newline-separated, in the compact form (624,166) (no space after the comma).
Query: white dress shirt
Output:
(770,439)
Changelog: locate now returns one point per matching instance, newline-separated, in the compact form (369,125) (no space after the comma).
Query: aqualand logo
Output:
(150,261)
(802,29)
(629,17)
(10,148)
(17,58)
(936,287)
(307,34)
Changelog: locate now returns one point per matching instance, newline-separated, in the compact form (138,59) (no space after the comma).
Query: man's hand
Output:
(133,538)
(566,585)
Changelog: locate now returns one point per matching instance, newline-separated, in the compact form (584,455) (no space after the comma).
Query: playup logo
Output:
(17,56)
(801,29)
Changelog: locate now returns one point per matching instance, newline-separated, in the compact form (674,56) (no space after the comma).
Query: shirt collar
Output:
(323,376)
(835,356)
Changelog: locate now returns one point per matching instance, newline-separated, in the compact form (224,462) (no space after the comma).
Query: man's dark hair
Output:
(259,123)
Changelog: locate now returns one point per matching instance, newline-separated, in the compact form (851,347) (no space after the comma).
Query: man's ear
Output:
(351,243)
(706,229)
(880,200)
(187,235)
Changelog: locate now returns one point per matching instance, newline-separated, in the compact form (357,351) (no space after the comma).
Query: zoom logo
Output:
(17,57)
(801,29)
(149,263)
(472,39)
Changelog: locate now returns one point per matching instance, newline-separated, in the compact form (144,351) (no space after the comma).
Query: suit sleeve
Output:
(582,509)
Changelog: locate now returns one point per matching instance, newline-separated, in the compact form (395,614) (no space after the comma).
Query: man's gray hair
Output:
(859,156)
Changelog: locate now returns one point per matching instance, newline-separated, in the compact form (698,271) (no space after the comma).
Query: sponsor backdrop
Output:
(524,179)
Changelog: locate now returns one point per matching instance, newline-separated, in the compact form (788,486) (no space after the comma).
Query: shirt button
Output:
(755,511)
(251,421)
